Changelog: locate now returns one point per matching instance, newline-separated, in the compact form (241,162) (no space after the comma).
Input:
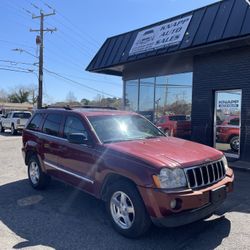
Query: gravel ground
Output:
(63,218)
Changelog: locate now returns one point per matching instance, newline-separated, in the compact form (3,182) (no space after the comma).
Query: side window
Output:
(35,122)
(234,122)
(52,124)
(73,125)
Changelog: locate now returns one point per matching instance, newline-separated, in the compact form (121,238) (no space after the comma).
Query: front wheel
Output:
(126,210)
(235,143)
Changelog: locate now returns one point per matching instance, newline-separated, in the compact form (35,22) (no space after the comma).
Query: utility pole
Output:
(39,40)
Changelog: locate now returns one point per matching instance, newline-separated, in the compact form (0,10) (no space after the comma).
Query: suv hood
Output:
(167,151)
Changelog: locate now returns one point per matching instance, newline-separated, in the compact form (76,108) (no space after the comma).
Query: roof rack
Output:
(93,107)
(68,107)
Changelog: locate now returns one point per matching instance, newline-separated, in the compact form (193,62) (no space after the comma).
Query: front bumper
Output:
(193,204)
(180,219)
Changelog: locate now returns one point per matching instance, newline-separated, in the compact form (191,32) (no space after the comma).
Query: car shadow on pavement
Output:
(62,217)
(8,134)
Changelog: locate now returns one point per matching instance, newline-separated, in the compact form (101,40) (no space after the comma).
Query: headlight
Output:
(225,163)
(171,178)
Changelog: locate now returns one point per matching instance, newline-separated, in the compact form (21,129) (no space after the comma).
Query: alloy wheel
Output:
(122,210)
(34,173)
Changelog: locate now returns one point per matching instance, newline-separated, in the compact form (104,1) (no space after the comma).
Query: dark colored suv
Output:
(120,157)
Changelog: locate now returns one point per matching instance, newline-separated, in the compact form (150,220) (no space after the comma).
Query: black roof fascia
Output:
(218,22)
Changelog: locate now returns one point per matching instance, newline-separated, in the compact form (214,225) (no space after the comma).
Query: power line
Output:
(76,29)
(16,67)
(15,70)
(21,44)
(78,83)
(16,62)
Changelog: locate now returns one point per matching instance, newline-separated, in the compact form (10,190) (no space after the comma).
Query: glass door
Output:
(227,122)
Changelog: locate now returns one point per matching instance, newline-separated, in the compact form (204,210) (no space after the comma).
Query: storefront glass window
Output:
(158,96)
(146,98)
(173,95)
(131,95)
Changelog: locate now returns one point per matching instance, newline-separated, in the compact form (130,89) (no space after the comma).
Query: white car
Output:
(15,121)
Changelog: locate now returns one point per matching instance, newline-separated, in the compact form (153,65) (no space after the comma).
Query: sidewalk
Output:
(240,165)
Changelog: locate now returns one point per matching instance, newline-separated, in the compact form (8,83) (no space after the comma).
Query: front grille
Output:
(206,174)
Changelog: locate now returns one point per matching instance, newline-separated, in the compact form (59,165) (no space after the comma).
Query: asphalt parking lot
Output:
(61,217)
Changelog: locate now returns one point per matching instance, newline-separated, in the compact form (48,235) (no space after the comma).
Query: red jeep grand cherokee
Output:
(120,157)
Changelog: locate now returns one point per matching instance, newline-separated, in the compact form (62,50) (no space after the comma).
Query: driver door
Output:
(77,159)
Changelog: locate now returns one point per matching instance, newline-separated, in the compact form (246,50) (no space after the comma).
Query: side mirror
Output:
(78,138)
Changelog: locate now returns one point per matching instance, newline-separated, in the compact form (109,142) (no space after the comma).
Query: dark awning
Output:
(223,21)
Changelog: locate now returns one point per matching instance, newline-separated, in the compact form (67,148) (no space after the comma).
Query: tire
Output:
(235,143)
(126,210)
(37,178)
(1,128)
(13,130)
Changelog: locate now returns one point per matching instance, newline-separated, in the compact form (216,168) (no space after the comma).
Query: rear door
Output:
(51,139)
(77,161)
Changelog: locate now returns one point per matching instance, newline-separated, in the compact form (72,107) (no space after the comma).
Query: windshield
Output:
(123,128)
(22,115)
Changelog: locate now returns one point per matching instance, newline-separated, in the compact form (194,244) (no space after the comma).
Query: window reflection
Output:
(146,99)
(163,95)
(174,94)
(131,95)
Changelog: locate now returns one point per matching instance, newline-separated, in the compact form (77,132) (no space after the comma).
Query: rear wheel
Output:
(126,210)
(13,130)
(38,179)
(235,143)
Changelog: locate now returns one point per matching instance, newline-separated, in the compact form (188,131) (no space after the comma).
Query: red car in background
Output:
(229,132)
(175,125)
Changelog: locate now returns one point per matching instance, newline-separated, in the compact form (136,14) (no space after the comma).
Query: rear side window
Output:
(178,118)
(52,124)
(73,125)
(22,115)
(35,122)
(234,122)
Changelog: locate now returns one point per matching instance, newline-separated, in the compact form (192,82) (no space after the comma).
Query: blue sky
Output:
(83,25)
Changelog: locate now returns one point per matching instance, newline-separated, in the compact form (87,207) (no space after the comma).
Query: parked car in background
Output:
(141,174)
(15,121)
(175,125)
(229,131)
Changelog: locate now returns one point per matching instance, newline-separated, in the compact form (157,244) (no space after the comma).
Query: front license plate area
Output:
(218,194)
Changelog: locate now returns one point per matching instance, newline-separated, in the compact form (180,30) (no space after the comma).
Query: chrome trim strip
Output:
(44,134)
(68,172)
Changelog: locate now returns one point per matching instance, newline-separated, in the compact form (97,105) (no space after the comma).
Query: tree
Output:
(19,96)
(85,101)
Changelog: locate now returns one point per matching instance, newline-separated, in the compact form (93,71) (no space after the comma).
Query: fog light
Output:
(173,204)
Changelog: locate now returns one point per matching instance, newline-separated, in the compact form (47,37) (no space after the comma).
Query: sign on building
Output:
(160,36)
